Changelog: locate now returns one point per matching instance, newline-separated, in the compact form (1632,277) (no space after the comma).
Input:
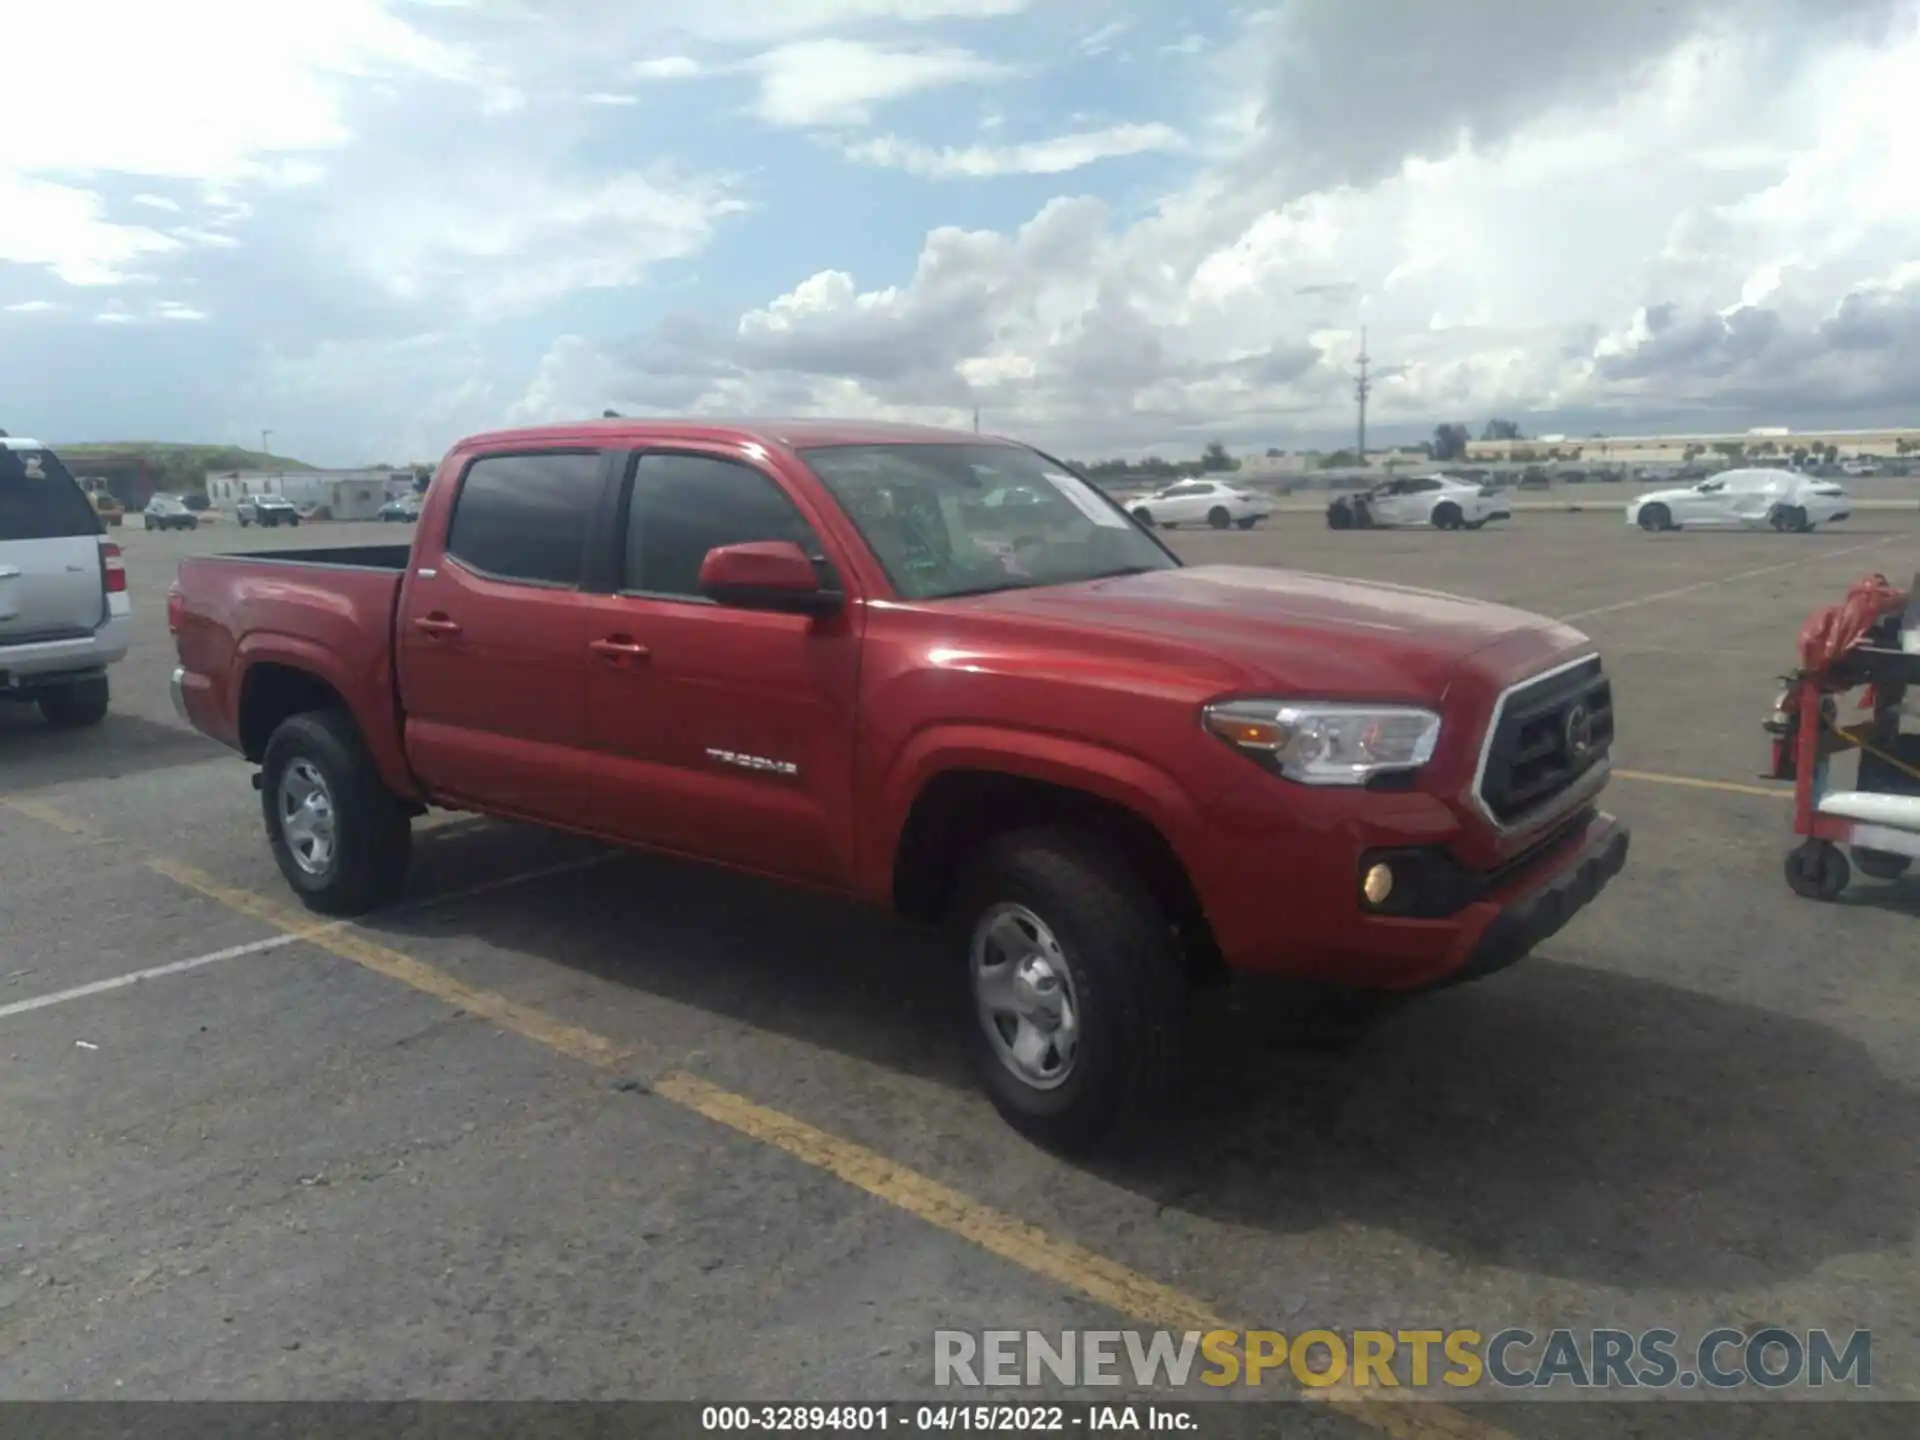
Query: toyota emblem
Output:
(1579,732)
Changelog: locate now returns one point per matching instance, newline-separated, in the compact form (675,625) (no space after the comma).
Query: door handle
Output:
(437,625)
(619,647)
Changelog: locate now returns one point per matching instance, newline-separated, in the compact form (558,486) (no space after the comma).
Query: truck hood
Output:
(1290,628)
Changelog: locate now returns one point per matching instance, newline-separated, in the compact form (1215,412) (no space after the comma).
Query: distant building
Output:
(343,494)
(1677,449)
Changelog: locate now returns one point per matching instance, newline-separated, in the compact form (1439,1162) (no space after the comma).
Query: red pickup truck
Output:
(934,672)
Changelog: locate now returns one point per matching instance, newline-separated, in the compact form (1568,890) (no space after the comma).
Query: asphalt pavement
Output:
(574,1124)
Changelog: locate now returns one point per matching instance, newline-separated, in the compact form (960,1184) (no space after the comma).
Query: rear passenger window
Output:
(526,517)
(682,506)
(39,500)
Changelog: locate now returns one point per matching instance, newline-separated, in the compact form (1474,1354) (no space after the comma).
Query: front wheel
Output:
(1339,517)
(1817,871)
(1656,517)
(1145,517)
(1219,518)
(1447,516)
(1248,523)
(1077,989)
(340,837)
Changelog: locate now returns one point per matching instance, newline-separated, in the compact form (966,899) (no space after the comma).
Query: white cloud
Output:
(604,97)
(445,241)
(839,82)
(667,67)
(1723,232)
(157,202)
(1055,156)
(175,310)
(33,307)
(64,230)
(760,20)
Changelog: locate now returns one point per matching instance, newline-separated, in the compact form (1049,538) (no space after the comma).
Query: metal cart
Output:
(1877,822)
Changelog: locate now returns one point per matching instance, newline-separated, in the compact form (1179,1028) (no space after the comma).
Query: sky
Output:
(1116,228)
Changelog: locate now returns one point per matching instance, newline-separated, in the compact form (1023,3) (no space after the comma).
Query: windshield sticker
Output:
(1077,494)
(33,467)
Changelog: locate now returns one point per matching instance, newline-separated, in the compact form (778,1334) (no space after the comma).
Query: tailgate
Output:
(51,581)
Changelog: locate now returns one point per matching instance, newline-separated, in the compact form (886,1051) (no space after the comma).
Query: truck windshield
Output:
(948,520)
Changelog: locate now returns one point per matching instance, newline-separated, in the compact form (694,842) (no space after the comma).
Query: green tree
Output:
(1501,430)
(1215,458)
(1449,441)
(1831,454)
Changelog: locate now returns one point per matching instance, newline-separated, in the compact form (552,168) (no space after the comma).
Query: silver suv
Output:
(63,589)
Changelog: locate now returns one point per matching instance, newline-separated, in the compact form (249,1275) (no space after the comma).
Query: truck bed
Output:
(326,612)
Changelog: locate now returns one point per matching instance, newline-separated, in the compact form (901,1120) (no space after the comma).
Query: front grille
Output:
(1532,754)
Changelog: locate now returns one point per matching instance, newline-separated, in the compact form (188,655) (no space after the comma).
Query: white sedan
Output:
(1193,502)
(1436,500)
(1743,500)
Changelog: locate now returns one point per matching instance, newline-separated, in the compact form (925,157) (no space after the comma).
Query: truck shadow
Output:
(33,755)
(1561,1120)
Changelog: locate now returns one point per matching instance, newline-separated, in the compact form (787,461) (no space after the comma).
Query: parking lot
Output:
(575,1124)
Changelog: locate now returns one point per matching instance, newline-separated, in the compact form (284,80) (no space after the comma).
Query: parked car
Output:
(1434,500)
(1747,499)
(403,509)
(1112,777)
(266,510)
(169,512)
(1193,502)
(107,506)
(63,590)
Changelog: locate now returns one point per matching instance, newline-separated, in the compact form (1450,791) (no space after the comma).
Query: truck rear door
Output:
(51,581)
(491,635)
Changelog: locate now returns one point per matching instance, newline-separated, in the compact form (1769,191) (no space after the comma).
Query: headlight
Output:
(1326,744)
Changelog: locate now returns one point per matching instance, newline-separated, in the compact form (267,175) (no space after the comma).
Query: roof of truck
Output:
(792,434)
(19,442)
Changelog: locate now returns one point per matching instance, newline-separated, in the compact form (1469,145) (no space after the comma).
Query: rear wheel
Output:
(1248,523)
(1817,871)
(1656,517)
(1077,989)
(1145,517)
(1339,516)
(340,837)
(75,705)
(1447,516)
(1219,518)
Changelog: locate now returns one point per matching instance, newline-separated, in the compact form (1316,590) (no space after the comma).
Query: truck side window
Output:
(526,517)
(682,506)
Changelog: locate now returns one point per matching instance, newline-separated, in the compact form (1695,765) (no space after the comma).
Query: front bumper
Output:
(1315,927)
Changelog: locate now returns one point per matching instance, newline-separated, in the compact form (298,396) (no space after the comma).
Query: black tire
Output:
(1474,525)
(1797,521)
(152,525)
(1656,517)
(1362,515)
(1145,517)
(372,836)
(1248,523)
(294,521)
(1447,516)
(1124,977)
(244,522)
(1339,516)
(1881,864)
(75,705)
(1219,517)
(1817,871)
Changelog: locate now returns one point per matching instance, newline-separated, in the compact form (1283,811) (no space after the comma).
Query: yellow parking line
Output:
(1776,792)
(1105,1281)
(45,814)
(1118,1287)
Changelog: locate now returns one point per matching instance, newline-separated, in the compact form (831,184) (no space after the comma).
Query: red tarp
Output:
(1832,631)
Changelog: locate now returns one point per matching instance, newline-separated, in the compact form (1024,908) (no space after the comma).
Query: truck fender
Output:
(369,697)
(1110,775)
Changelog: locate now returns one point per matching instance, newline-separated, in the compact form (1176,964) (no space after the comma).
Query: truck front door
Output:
(725,733)
(491,637)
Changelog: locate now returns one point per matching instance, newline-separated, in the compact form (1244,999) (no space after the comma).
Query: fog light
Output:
(1378,884)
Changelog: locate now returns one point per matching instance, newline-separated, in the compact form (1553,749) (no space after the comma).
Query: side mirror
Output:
(766,575)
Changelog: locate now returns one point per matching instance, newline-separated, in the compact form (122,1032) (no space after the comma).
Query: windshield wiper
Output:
(994,589)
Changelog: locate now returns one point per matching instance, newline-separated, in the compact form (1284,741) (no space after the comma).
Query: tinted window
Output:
(525,517)
(39,499)
(682,506)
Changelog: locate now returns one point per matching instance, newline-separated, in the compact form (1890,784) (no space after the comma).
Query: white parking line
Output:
(1718,580)
(178,967)
(274,942)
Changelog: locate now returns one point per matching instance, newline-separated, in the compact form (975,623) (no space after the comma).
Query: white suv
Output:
(63,589)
